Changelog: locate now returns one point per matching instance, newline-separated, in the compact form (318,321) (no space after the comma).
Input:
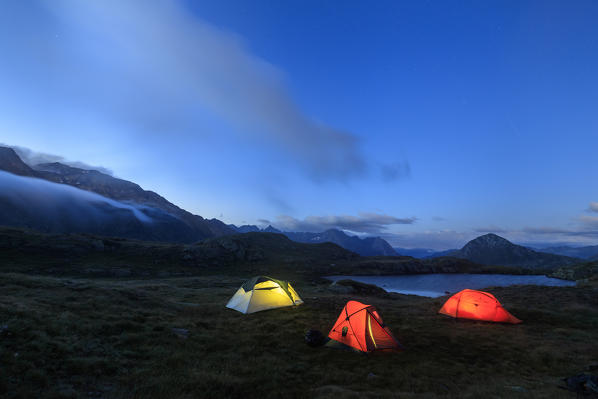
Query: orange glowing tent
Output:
(477,305)
(361,327)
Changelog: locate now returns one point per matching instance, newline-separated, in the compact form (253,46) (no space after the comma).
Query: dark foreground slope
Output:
(87,255)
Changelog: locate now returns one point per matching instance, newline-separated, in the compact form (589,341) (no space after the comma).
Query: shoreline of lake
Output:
(435,285)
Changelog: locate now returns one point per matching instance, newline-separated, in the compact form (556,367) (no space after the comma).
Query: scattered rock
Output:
(585,384)
(315,338)
(182,333)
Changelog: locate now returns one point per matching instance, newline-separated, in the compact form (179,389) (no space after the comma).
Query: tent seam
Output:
(352,329)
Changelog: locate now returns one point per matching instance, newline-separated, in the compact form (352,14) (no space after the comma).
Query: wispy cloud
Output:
(545,230)
(154,66)
(528,233)
(395,171)
(264,222)
(593,206)
(588,221)
(61,204)
(368,223)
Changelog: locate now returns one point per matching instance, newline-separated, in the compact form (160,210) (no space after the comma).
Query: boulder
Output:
(355,287)
(182,333)
(584,384)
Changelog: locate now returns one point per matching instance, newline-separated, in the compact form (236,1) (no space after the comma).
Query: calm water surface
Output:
(435,285)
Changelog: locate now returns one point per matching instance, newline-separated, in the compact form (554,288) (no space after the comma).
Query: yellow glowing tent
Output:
(262,293)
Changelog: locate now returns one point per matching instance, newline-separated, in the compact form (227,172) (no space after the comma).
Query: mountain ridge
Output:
(368,246)
(586,252)
(422,253)
(113,188)
(492,249)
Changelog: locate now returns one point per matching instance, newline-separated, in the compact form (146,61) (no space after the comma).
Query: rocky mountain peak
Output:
(10,162)
(271,229)
(491,249)
(489,240)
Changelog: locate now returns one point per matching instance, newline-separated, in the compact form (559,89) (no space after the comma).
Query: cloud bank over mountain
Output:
(366,223)
(54,202)
(33,158)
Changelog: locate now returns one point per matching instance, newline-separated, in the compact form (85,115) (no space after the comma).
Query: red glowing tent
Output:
(477,305)
(361,327)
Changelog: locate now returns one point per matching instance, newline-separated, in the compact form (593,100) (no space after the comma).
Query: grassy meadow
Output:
(64,334)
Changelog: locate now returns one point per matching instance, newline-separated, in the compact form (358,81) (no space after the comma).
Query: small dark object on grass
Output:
(315,338)
(584,384)
(181,332)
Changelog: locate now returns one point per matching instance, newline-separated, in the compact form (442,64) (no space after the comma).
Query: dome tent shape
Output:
(262,293)
(477,305)
(360,326)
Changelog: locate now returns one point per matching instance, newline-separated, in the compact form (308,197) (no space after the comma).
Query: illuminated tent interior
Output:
(262,293)
(477,305)
(361,327)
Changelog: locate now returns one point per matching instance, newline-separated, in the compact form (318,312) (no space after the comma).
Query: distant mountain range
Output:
(368,246)
(39,197)
(589,252)
(57,198)
(419,253)
(422,253)
(491,249)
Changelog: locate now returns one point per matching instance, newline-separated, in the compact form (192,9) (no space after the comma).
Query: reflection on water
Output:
(435,285)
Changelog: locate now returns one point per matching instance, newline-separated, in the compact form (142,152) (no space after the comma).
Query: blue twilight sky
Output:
(425,122)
